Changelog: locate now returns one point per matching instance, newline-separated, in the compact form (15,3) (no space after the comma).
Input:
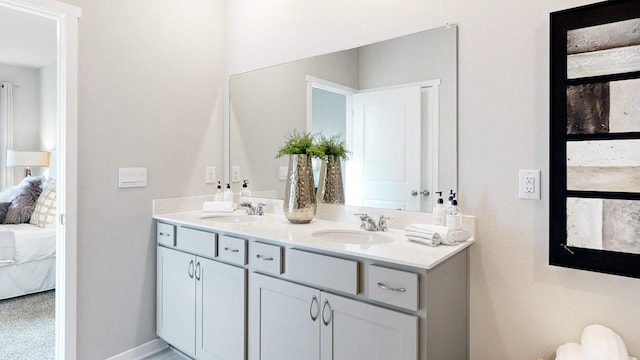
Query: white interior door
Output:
(385,141)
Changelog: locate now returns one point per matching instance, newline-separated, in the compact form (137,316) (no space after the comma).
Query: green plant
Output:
(300,142)
(333,146)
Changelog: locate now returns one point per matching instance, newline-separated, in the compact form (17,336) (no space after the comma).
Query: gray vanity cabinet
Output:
(291,322)
(201,302)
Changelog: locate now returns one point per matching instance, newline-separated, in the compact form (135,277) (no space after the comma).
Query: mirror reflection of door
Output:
(385,139)
(392,136)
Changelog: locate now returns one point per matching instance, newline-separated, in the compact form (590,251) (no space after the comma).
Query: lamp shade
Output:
(27,158)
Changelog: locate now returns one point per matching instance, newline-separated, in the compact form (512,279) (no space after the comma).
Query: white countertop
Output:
(275,227)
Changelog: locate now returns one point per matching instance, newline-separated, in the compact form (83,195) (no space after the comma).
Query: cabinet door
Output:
(176,322)
(354,330)
(220,310)
(283,320)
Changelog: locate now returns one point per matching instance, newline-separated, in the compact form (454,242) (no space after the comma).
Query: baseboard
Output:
(143,351)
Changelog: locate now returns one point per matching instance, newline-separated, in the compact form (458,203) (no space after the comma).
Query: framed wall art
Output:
(595,138)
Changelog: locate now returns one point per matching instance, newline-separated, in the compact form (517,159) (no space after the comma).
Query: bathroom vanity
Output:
(258,287)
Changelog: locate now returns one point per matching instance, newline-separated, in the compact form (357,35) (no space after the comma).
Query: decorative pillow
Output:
(23,203)
(4,207)
(8,193)
(44,213)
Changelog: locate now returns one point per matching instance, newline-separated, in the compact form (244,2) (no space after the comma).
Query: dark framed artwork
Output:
(595,138)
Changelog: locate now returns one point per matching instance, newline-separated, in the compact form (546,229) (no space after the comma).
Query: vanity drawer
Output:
(393,287)
(197,242)
(323,271)
(232,249)
(265,258)
(165,233)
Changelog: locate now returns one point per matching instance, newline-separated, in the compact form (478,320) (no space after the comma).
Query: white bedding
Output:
(7,246)
(31,242)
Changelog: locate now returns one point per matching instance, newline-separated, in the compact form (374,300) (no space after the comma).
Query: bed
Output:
(28,238)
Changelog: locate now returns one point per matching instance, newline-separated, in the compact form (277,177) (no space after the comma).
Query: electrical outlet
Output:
(529,184)
(210,175)
(235,174)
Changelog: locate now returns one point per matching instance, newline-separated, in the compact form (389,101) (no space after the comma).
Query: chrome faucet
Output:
(254,210)
(369,224)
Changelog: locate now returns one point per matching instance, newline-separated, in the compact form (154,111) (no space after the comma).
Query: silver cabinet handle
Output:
(164,234)
(314,300)
(190,269)
(383,286)
(198,271)
(231,250)
(265,258)
(324,321)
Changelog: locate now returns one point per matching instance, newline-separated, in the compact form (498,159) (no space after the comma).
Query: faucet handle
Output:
(246,204)
(363,216)
(382,222)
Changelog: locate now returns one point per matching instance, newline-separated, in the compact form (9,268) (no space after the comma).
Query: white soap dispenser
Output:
(245,189)
(439,212)
(218,196)
(228,194)
(454,217)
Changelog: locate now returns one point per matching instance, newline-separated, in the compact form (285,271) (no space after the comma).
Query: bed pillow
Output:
(44,213)
(23,203)
(8,193)
(4,207)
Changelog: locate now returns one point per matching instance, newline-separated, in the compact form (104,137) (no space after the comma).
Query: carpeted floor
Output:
(27,327)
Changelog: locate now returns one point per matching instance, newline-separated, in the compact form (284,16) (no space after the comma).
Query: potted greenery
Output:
(330,184)
(300,203)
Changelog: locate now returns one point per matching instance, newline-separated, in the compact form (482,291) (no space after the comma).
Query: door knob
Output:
(424,192)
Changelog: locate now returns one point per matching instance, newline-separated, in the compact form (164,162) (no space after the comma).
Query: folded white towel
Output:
(7,246)
(461,235)
(435,241)
(218,206)
(447,237)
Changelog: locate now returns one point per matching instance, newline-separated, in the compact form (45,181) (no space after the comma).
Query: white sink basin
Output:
(229,218)
(358,237)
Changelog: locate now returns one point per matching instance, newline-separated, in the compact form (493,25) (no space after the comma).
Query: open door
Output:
(384,137)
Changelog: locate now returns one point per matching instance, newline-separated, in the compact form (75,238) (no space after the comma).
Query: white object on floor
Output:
(597,343)
(218,206)
(569,351)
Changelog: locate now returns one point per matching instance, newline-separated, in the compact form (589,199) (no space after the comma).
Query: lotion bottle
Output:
(228,194)
(245,189)
(454,217)
(439,212)
(218,196)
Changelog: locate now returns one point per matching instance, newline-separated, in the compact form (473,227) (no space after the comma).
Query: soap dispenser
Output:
(245,189)
(452,196)
(228,194)
(454,217)
(439,212)
(218,196)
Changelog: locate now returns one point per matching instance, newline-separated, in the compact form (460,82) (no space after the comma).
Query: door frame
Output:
(66,17)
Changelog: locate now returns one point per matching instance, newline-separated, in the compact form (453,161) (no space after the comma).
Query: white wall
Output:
(150,94)
(26,110)
(520,307)
(48,105)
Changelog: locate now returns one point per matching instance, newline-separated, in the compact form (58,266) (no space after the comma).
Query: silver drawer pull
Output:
(231,250)
(265,258)
(163,234)
(382,286)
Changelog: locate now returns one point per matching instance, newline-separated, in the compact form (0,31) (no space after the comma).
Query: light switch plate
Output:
(132,177)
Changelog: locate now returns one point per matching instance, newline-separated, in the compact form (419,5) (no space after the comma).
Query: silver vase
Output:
(330,188)
(299,195)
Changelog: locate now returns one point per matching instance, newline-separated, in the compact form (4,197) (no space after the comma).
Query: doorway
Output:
(66,18)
